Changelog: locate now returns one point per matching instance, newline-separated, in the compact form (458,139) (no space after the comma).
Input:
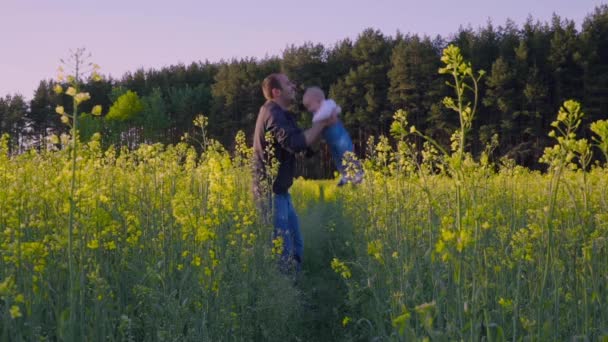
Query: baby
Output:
(335,135)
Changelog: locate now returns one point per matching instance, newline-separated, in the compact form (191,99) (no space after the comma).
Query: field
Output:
(164,243)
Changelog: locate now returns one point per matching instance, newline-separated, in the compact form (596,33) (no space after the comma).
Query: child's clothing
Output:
(339,143)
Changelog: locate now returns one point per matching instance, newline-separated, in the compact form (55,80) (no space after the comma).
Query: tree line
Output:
(530,71)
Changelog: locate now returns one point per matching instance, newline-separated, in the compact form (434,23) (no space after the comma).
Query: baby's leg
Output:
(341,147)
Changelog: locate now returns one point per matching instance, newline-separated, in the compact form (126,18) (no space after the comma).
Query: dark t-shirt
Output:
(288,139)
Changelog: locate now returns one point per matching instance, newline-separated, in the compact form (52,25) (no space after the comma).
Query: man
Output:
(276,122)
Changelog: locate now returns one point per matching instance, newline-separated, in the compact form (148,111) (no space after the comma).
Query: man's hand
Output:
(312,134)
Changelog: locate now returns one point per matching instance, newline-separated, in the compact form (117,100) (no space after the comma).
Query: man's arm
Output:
(293,139)
(312,134)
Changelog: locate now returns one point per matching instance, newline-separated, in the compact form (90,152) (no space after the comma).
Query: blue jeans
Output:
(286,226)
(339,142)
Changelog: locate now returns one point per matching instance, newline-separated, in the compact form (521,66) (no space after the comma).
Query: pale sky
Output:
(124,35)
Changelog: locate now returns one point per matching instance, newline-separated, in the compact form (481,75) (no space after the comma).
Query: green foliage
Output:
(89,125)
(362,92)
(600,128)
(13,114)
(155,117)
(127,107)
(414,83)
(568,147)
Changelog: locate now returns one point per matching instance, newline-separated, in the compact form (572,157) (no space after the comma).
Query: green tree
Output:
(362,93)
(121,119)
(126,107)
(237,96)
(42,116)
(594,37)
(499,104)
(154,120)
(13,109)
(183,104)
(565,61)
(414,64)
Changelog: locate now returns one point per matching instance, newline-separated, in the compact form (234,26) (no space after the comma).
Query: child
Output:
(335,135)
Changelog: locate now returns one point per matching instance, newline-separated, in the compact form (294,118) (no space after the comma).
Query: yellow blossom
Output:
(15,312)
(341,268)
(111,245)
(93,244)
(345,321)
(54,139)
(96,110)
(81,97)
(196,261)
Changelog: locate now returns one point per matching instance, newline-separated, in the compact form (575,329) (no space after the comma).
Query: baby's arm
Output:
(325,111)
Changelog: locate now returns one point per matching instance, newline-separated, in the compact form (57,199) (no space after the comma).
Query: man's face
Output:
(288,93)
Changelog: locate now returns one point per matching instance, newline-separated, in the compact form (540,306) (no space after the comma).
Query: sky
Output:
(124,35)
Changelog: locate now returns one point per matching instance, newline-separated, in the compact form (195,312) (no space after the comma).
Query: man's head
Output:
(312,99)
(279,88)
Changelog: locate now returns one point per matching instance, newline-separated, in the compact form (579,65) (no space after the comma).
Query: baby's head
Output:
(312,99)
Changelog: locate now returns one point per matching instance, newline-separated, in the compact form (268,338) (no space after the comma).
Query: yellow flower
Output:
(196,261)
(54,139)
(506,304)
(277,246)
(400,321)
(93,244)
(15,312)
(81,97)
(341,268)
(58,89)
(374,249)
(71,91)
(96,110)
(345,321)
(447,234)
(59,110)
(65,119)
